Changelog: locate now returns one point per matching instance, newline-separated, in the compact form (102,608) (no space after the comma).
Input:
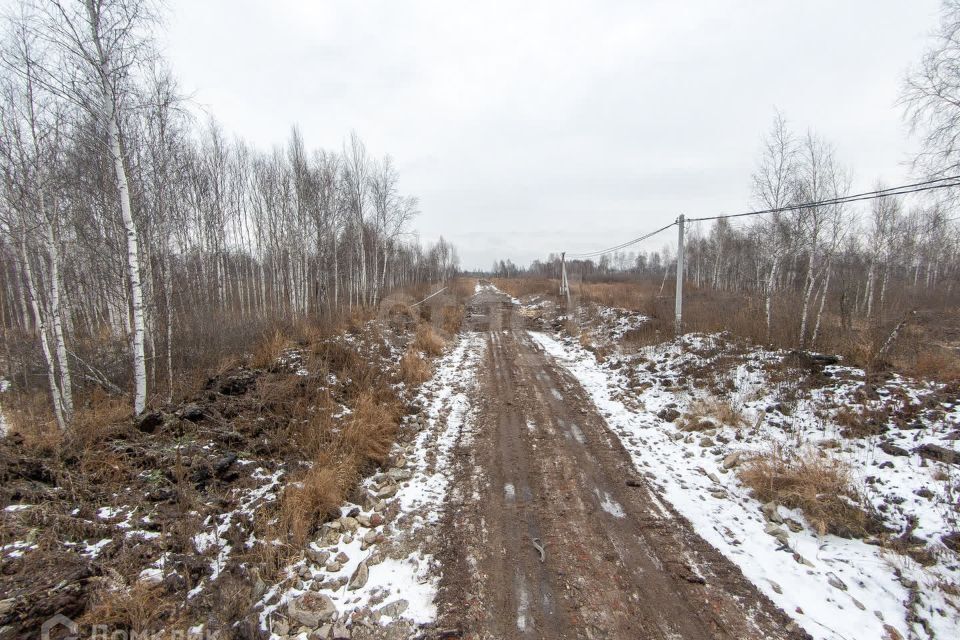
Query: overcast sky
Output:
(531,127)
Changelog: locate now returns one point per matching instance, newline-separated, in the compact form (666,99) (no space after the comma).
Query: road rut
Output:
(551,533)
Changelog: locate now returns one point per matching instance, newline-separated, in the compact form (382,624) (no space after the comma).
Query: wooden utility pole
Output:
(678,328)
(564,283)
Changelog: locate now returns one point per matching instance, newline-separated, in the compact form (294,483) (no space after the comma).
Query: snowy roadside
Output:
(833,587)
(372,572)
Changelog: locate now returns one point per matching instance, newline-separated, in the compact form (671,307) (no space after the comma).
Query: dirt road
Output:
(550,532)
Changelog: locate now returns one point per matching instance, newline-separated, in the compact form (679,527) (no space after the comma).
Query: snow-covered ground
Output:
(374,565)
(834,587)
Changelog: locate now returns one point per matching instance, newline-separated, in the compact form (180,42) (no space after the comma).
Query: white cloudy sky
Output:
(531,127)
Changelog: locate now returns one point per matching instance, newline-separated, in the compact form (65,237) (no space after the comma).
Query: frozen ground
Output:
(834,587)
(374,567)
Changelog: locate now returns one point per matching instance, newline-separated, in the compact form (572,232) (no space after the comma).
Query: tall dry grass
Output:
(816,484)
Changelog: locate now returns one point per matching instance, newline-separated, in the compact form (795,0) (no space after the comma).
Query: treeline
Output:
(124,219)
(871,262)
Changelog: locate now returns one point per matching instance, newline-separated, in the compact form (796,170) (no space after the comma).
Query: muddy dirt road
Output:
(550,533)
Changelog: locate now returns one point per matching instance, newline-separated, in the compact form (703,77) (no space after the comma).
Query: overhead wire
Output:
(927,185)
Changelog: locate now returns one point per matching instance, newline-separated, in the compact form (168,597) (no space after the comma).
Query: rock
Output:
(333,566)
(191,413)
(280,626)
(349,524)
(776,587)
(799,559)
(317,556)
(148,422)
(732,460)
(891,449)
(836,582)
(322,632)
(938,453)
(713,477)
(363,520)
(342,558)
(399,475)
(150,577)
(340,632)
(7,633)
(222,465)
(311,609)
(359,577)
(394,609)
(771,513)
(387,492)
(793,525)
(6,606)
(890,633)
(668,415)
(858,604)
(370,537)
(706,442)
(782,536)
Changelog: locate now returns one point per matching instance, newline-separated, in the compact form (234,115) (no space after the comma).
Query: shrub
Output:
(427,340)
(414,369)
(269,350)
(316,496)
(809,480)
(710,413)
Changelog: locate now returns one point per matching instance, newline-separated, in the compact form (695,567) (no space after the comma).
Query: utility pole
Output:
(564,283)
(678,328)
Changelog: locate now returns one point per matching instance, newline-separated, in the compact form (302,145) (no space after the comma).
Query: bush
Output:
(809,480)
(414,369)
(428,341)
(710,413)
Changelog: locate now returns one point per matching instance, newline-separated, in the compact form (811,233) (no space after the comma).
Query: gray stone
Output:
(732,460)
(781,535)
(394,609)
(317,556)
(834,581)
(280,626)
(359,577)
(311,609)
(340,632)
(771,513)
(6,606)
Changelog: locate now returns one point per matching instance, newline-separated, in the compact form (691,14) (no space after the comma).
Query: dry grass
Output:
(428,341)
(137,609)
(269,350)
(372,428)
(100,416)
(313,498)
(414,368)
(452,319)
(710,413)
(519,287)
(818,485)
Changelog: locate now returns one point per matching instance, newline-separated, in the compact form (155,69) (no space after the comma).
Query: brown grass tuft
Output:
(414,368)
(138,609)
(316,496)
(710,413)
(428,341)
(269,350)
(818,485)
(372,428)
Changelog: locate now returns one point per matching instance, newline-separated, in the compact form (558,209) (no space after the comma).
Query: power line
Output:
(592,254)
(927,185)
